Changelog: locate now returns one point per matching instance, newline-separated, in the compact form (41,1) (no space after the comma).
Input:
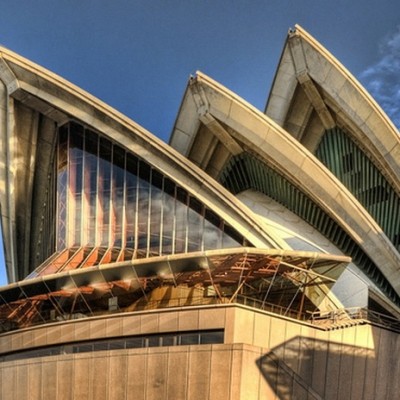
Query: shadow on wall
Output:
(305,368)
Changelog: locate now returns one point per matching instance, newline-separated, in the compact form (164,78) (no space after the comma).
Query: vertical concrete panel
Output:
(299,392)
(16,341)
(292,330)
(333,364)
(35,379)
(199,373)
(393,369)
(99,375)
(249,388)
(266,390)
(284,385)
(117,373)
(371,365)
(82,330)
(177,374)
(188,320)
(81,377)
(168,322)
(98,328)
(349,336)
(157,372)
(3,386)
(261,329)
(308,331)
(67,333)
(250,382)
(361,353)
(244,326)
(293,350)
(136,375)
(229,334)
(335,336)
(384,374)
(212,318)
(65,378)
(131,325)
(9,381)
(277,333)
(27,338)
(305,362)
(49,378)
(54,334)
(346,363)
(268,366)
(39,337)
(149,323)
(114,327)
(5,343)
(22,389)
(236,368)
(320,360)
(220,372)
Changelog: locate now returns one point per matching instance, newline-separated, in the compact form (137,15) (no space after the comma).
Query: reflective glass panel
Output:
(112,199)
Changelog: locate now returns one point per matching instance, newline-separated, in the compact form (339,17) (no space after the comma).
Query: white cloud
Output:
(383,78)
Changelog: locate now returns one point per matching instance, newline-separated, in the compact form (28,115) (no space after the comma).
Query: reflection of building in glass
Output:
(111,198)
(255,257)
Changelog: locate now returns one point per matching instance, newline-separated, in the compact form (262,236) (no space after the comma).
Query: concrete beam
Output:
(202,104)
(220,132)
(303,77)
(316,100)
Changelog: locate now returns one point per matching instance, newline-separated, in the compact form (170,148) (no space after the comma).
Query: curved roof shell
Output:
(321,104)
(33,103)
(313,92)
(220,125)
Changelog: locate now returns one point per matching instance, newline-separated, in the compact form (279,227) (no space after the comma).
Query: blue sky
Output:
(137,55)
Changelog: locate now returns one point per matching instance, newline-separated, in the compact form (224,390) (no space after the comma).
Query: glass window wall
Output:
(110,198)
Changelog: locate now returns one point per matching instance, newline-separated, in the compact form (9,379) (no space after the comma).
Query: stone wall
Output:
(264,356)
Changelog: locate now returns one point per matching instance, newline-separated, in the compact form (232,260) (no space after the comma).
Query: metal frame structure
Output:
(281,278)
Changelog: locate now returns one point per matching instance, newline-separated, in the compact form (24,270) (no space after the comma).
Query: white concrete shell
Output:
(312,91)
(219,124)
(33,103)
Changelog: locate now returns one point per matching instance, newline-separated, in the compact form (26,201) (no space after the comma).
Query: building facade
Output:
(254,257)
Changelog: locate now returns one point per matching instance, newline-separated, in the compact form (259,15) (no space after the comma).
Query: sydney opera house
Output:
(255,256)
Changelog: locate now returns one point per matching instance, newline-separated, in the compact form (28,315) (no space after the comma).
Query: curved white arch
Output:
(260,135)
(28,86)
(304,58)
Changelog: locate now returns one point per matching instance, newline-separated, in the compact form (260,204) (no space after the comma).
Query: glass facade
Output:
(112,199)
(129,342)
(358,173)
